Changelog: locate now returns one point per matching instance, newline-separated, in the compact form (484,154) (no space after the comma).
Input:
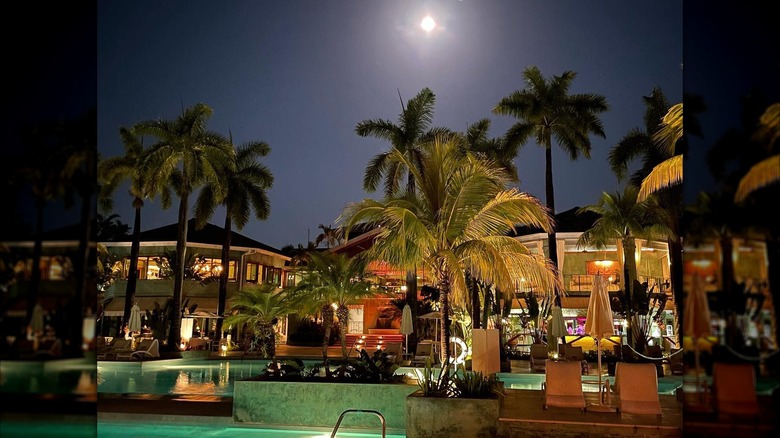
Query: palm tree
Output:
(546,110)
(644,145)
(456,222)
(244,186)
(258,309)
(185,156)
(407,137)
(622,217)
(502,150)
(113,172)
(766,171)
(331,282)
(331,236)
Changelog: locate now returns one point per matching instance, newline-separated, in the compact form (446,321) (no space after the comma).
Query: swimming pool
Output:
(122,428)
(217,377)
(59,376)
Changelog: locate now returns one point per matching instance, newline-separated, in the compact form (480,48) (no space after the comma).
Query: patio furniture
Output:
(118,346)
(734,390)
(538,357)
(49,349)
(676,363)
(393,351)
(563,385)
(423,352)
(635,388)
(575,354)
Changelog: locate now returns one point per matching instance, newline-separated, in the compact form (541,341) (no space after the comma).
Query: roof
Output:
(566,221)
(209,234)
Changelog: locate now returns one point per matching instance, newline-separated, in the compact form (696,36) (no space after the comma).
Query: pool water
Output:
(66,428)
(217,377)
(61,377)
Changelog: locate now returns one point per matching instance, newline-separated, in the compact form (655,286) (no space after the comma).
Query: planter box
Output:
(319,404)
(433,417)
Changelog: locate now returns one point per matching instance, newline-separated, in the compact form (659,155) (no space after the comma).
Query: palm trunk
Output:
(223,278)
(83,295)
(411,299)
(676,272)
(174,335)
(35,272)
(476,322)
(327,323)
(629,272)
(343,315)
(552,243)
(444,281)
(132,274)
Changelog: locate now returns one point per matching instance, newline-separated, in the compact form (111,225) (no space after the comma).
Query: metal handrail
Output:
(341,417)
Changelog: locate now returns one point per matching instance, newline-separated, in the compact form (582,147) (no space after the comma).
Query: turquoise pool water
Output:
(60,377)
(217,377)
(110,429)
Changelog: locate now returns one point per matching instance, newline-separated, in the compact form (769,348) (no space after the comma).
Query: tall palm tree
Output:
(331,282)
(502,151)
(185,156)
(456,222)
(330,235)
(547,110)
(644,145)
(258,309)
(113,172)
(407,137)
(766,171)
(622,217)
(243,184)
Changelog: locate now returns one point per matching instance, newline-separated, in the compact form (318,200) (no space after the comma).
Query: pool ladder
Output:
(341,417)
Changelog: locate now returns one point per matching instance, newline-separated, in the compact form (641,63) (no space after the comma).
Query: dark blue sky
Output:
(300,75)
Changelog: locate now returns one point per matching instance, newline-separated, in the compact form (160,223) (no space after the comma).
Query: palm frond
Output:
(665,174)
(762,174)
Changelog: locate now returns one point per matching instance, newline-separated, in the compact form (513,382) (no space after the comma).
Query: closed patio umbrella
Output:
(556,328)
(36,319)
(134,323)
(407,325)
(599,325)
(696,318)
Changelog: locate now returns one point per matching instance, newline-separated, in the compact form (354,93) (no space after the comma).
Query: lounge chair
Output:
(734,390)
(538,357)
(636,388)
(562,386)
(147,348)
(49,349)
(117,346)
(393,351)
(676,363)
(423,351)
(575,354)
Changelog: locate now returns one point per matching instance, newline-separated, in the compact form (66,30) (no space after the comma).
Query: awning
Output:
(207,306)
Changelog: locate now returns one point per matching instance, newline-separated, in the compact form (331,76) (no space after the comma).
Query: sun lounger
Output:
(393,351)
(49,349)
(147,348)
(562,386)
(636,388)
(116,347)
(538,357)
(423,352)
(734,388)
(575,354)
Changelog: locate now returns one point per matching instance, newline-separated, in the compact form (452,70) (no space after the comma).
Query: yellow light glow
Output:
(428,24)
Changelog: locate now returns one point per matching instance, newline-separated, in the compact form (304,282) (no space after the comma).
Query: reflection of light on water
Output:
(190,384)
(224,374)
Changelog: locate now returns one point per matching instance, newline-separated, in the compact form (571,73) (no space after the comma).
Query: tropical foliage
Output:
(257,310)
(456,222)
(243,184)
(546,110)
(185,156)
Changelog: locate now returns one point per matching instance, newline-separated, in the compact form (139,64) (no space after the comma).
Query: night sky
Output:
(300,75)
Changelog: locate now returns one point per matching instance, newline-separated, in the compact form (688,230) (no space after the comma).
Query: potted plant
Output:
(464,403)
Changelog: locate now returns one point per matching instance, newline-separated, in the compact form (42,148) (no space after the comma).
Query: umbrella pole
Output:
(600,406)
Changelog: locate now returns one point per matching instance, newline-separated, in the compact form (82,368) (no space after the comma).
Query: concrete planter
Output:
(433,417)
(319,404)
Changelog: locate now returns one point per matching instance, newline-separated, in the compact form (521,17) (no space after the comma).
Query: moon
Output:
(428,24)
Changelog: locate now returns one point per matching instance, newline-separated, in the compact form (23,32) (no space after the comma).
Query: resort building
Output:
(251,262)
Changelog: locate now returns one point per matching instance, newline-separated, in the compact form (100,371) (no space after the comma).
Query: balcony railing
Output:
(583,283)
